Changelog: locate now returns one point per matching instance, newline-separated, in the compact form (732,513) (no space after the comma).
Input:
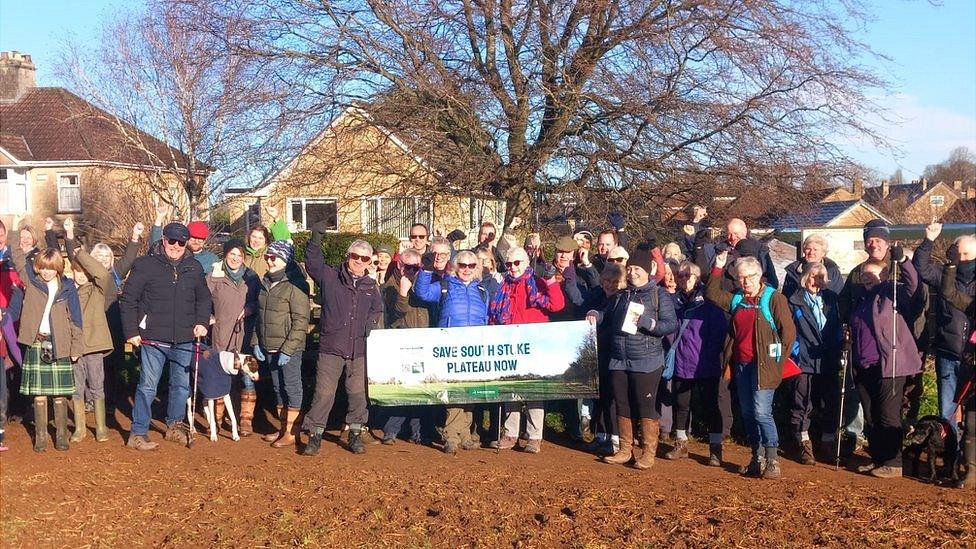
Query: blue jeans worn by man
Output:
(947,375)
(155,356)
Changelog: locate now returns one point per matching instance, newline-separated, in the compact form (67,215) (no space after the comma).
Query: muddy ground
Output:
(228,494)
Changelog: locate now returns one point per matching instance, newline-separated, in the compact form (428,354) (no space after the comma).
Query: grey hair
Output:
(743,263)
(410,253)
(517,253)
(467,255)
(964,239)
(691,267)
(103,247)
(440,241)
(618,251)
(812,270)
(673,246)
(360,244)
(816,239)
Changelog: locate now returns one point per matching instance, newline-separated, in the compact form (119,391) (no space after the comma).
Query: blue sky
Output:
(932,104)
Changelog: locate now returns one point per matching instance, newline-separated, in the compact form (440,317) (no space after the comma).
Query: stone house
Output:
(62,156)
(360,177)
(919,202)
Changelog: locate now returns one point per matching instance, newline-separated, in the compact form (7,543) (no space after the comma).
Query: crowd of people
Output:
(701,324)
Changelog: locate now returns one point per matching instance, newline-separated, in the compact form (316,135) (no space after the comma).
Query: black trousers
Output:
(636,393)
(810,392)
(715,396)
(605,407)
(882,399)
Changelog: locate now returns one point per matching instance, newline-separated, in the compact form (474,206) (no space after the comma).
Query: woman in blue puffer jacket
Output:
(463,299)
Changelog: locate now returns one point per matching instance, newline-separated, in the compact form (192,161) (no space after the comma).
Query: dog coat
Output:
(213,379)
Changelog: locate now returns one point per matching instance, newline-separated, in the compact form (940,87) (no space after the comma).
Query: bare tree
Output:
(960,166)
(150,75)
(656,98)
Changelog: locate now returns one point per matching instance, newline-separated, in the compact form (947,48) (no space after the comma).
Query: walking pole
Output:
(498,445)
(190,431)
(894,320)
(844,361)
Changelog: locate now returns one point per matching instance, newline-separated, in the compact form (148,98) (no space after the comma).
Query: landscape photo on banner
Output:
(478,364)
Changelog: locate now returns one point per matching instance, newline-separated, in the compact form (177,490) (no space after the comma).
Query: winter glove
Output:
(258,354)
(549,270)
(318,230)
(616,220)
(283,359)
(427,260)
(456,235)
(952,255)
(897,253)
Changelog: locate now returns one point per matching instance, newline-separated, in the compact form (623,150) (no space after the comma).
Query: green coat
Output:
(97,336)
(282,315)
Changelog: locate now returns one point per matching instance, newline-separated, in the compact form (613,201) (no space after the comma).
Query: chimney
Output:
(957,185)
(925,184)
(858,189)
(16,75)
(885,188)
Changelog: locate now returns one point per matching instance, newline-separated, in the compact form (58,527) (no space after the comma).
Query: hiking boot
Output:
(61,424)
(368,437)
(756,465)
(866,468)
(679,451)
(506,443)
(806,453)
(714,455)
(388,441)
(175,433)
(141,442)
(40,423)
(771,470)
(78,407)
(450,447)
(470,445)
(533,446)
(314,444)
(355,442)
(886,471)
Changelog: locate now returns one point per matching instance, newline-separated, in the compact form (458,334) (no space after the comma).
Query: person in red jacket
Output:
(524,298)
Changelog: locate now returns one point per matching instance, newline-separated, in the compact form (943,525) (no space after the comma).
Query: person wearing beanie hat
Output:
(636,321)
(234,290)
(877,242)
(384,256)
(877,228)
(280,328)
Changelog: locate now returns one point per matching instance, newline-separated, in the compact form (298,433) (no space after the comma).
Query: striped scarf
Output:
(500,308)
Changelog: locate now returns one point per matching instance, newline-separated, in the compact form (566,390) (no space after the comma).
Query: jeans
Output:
(89,373)
(154,358)
(287,380)
(757,407)
(947,372)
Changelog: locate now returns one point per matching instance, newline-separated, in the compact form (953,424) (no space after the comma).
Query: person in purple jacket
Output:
(698,362)
(885,354)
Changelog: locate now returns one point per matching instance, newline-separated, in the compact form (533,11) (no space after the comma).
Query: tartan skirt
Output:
(40,378)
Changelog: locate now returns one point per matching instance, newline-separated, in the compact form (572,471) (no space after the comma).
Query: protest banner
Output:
(477,364)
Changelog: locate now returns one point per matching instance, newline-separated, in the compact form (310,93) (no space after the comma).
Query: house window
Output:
(13,192)
(305,212)
(394,215)
(937,200)
(69,193)
(482,210)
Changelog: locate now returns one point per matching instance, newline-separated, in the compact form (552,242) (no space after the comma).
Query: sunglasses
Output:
(418,236)
(361,258)
(410,268)
(176,242)
(270,257)
(617,259)
(376,263)
(467,265)
(517,262)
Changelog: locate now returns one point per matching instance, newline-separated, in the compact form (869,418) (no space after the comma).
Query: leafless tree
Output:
(654,98)
(960,166)
(152,75)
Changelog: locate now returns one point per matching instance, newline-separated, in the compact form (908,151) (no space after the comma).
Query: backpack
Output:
(764,300)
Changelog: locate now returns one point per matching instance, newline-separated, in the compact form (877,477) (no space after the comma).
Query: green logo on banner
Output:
(486,392)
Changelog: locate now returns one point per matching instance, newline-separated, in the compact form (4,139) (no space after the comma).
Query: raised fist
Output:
(137,230)
(721,259)
(932,231)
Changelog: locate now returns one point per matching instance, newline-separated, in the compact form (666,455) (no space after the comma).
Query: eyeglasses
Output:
(176,242)
(617,259)
(467,265)
(376,263)
(270,257)
(409,267)
(361,258)
(752,276)
(418,236)
(441,255)
(517,262)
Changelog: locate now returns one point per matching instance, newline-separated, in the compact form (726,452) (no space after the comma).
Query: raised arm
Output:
(713,290)
(922,260)
(94,268)
(124,264)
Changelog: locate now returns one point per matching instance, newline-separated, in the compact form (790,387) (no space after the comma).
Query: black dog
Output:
(935,437)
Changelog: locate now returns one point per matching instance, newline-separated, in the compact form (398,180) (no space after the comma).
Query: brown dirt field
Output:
(228,494)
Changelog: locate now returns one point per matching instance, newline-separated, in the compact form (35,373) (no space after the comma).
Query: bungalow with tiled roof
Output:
(60,155)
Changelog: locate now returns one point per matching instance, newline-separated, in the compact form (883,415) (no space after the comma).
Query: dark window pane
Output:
(322,211)
(296,212)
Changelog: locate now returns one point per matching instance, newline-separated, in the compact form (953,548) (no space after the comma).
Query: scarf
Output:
(276,276)
(815,302)
(500,308)
(255,252)
(966,271)
(235,276)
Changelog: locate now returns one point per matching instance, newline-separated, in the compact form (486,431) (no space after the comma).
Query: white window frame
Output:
(476,210)
(295,225)
(8,183)
(937,203)
(364,204)
(61,185)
